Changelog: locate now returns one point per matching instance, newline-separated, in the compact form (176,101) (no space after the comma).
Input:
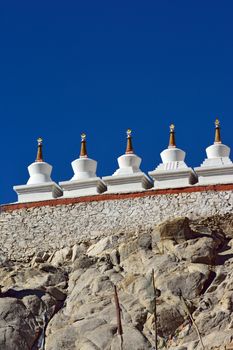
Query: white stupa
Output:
(40,186)
(217,168)
(128,177)
(173,171)
(84,182)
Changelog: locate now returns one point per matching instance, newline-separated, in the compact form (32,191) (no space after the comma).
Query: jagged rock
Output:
(132,340)
(101,337)
(77,334)
(83,262)
(201,250)
(226,224)
(61,256)
(132,311)
(190,285)
(56,293)
(145,241)
(63,339)
(34,305)
(169,319)
(101,284)
(18,328)
(32,278)
(102,245)
(208,321)
(177,229)
(77,251)
(88,345)
(127,248)
(141,287)
(3,259)
(71,292)
(89,325)
(115,257)
(39,258)
(230,243)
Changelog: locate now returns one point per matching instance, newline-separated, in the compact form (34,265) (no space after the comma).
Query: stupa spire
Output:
(173,172)
(39,157)
(83,150)
(84,181)
(39,186)
(129,146)
(172,142)
(217,132)
(217,168)
(128,177)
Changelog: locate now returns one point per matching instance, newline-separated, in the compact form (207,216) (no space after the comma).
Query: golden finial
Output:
(83,137)
(129,146)
(172,142)
(83,150)
(172,127)
(217,132)
(129,132)
(39,157)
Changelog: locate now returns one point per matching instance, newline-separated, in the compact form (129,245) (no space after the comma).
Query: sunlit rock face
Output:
(64,298)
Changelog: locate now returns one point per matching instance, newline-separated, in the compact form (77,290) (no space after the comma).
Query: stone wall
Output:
(31,228)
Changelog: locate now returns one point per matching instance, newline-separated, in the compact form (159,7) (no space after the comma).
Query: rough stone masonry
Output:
(52,225)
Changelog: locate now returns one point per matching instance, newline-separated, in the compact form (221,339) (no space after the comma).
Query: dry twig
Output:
(192,320)
(155,310)
(118,315)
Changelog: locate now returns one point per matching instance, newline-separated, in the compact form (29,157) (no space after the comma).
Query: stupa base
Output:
(38,192)
(87,187)
(215,175)
(173,178)
(127,183)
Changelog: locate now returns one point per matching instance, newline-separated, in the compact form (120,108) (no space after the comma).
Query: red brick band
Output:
(118,196)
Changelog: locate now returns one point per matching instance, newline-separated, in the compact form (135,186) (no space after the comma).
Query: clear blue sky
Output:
(105,66)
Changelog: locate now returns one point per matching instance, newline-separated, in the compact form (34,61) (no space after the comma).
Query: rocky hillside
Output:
(65,301)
